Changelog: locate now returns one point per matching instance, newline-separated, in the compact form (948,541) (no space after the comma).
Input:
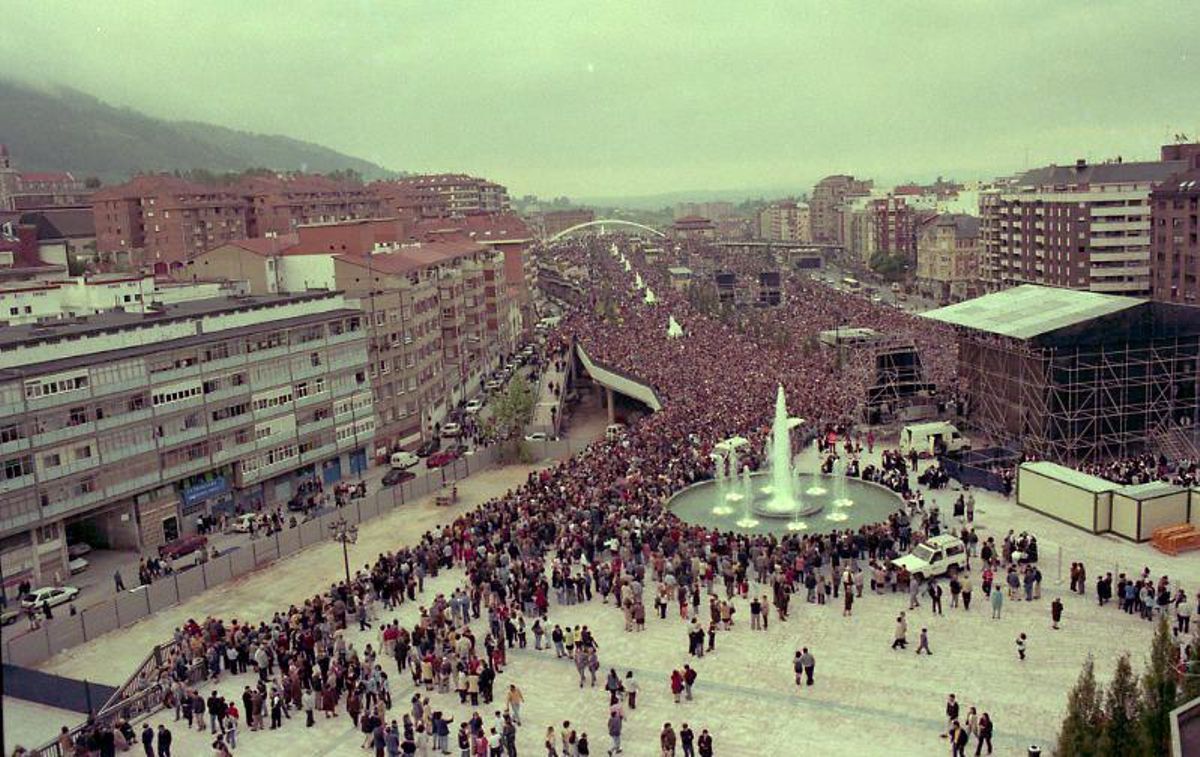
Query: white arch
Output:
(605,222)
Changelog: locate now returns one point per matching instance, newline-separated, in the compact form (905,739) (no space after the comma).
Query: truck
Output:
(934,557)
(932,439)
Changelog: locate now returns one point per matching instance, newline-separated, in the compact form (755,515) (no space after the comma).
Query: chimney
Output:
(1080,164)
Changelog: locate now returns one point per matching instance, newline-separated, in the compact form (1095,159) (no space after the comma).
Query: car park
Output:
(397,476)
(51,595)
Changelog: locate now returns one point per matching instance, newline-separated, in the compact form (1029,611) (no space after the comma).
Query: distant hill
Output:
(67,130)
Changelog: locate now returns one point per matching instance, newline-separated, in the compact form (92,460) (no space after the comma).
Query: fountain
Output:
(674,330)
(782,498)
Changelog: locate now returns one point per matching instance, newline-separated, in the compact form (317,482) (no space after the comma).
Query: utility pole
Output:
(346,534)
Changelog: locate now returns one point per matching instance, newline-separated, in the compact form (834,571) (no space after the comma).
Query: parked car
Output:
(439,459)
(536,436)
(78,549)
(184,545)
(397,476)
(494,385)
(78,565)
(451,430)
(8,617)
(242,523)
(474,406)
(933,557)
(53,595)
(429,447)
(402,460)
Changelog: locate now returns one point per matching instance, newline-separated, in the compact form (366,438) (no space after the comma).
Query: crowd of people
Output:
(594,526)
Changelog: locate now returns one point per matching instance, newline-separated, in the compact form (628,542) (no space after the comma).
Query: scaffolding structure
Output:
(1082,404)
(886,368)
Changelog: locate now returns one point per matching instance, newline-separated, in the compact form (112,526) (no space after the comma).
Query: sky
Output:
(633,98)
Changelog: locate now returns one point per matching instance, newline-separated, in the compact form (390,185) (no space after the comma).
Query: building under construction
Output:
(1078,377)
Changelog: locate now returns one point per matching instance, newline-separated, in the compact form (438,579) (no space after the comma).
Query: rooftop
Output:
(1101,173)
(1029,310)
(1078,479)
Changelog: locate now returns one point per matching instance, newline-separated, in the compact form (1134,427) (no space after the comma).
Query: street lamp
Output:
(347,534)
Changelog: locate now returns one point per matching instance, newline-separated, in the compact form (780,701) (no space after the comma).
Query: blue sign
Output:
(202,491)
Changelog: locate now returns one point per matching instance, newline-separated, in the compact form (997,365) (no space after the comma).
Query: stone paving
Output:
(867,699)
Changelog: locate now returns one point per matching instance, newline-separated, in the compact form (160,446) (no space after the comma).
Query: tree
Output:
(1080,732)
(1122,736)
(1191,679)
(512,410)
(1160,692)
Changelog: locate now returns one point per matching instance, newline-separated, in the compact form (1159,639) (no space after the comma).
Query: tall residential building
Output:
(856,229)
(716,210)
(441,196)
(162,220)
(1175,225)
(898,223)
(826,203)
(784,221)
(1083,226)
(130,425)
(34,190)
(440,310)
(948,253)
(557,221)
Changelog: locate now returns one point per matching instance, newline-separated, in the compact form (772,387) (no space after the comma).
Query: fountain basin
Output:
(860,502)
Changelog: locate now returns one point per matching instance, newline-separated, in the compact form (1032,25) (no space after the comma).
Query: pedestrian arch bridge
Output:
(601,223)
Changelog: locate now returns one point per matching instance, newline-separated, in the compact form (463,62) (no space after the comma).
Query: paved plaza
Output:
(867,699)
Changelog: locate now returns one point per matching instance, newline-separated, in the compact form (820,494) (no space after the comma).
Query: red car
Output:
(438,459)
(183,546)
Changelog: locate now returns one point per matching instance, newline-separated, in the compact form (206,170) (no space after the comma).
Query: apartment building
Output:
(1175,226)
(1085,226)
(948,254)
(440,196)
(825,205)
(784,221)
(440,309)
(160,220)
(34,190)
(552,222)
(127,426)
(277,205)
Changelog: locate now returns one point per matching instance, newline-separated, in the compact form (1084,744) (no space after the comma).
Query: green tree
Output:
(512,409)
(1122,736)
(1160,691)
(1080,732)
(1191,680)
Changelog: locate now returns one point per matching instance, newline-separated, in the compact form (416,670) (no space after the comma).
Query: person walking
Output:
(924,642)
(118,581)
(951,714)
(631,690)
(901,637)
(687,739)
(985,734)
(689,679)
(615,721)
(1056,611)
(958,740)
(148,740)
(705,743)
(514,700)
(676,687)
(997,601)
(164,741)
(1021,647)
(666,740)
(809,664)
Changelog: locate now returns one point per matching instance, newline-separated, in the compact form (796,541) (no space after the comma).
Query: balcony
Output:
(180,470)
(119,387)
(1138,241)
(127,451)
(228,393)
(16,445)
(312,399)
(13,484)
(182,436)
(308,370)
(126,485)
(233,452)
(74,503)
(345,336)
(221,364)
(273,353)
(319,454)
(175,374)
(63,434)
(124,419)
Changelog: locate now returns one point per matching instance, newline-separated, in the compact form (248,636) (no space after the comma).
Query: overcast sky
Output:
(624,98)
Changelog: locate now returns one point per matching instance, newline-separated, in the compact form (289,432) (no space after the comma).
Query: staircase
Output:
(1177,443)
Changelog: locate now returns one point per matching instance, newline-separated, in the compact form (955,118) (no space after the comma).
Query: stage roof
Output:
(1029,310)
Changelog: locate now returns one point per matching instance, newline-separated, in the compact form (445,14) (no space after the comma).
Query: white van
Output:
(402,460)
(932,438)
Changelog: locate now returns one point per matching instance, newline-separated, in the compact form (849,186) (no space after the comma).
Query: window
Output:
(17,467)
(315,359)
(84,452)
(11,433)
(78,416)
(52,460)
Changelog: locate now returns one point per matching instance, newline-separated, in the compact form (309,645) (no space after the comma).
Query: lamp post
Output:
(347,534)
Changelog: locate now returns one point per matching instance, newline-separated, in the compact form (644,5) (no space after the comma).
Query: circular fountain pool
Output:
(822,503)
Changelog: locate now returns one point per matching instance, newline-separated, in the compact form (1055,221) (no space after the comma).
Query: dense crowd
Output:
(592,527)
